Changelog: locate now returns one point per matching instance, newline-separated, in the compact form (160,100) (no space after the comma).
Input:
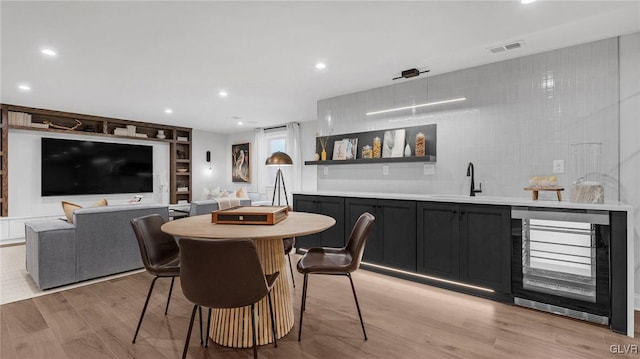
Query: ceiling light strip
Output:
(417,106)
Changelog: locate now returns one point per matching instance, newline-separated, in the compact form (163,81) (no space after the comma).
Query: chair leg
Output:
(304,300)
(206,335)
(144,309)
(200,317)
(273,322)
(357,305)
(186,343)
(169,298)
(253,326)
(291,268)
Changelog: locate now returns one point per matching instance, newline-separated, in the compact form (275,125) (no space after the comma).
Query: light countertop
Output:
(479,199)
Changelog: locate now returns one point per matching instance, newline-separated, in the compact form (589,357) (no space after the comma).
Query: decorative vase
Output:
(323,155)
(407,151)
(161,135)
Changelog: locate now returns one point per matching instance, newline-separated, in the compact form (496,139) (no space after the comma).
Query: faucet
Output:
(472,191)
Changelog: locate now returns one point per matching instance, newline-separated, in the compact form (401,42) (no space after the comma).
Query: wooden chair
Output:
(337,261)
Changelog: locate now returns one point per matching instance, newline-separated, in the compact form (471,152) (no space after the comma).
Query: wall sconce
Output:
(208,156)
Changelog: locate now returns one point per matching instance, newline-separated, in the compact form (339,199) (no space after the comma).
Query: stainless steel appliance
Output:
(561,261)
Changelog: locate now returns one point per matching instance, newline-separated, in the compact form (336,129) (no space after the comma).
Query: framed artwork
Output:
(240,164)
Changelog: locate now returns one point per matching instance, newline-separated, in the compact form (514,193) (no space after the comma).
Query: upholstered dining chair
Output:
(224,273)
(337,261)
(288,244)
(160,255)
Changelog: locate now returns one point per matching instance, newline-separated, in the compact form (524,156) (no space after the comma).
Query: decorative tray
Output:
(250,215)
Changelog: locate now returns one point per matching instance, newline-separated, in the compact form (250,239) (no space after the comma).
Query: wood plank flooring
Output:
(403,320)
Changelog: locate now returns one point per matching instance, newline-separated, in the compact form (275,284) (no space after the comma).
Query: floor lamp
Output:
(279,159)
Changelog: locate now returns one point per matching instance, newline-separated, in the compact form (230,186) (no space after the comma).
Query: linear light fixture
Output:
(417,106)
(430,277)
(423,276)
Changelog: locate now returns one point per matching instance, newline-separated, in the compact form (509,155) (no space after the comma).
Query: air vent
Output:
(505,47)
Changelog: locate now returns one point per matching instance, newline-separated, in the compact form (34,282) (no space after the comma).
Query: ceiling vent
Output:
(506,47)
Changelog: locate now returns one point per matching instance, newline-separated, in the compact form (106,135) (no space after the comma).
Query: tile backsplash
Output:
(520,115)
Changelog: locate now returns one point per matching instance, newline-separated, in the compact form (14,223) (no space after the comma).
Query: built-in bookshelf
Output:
(34,119)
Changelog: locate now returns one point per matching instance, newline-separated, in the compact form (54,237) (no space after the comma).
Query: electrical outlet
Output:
(558,166)
(385,170)
(326,170)
(429,169)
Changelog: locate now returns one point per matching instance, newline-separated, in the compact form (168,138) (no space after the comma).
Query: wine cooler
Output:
(561,262)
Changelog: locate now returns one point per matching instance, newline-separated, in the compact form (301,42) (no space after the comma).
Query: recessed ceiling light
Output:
(223,94)
(526,1)
(239,123)
(49,52)
(168,111)
(24,87)
(321,66)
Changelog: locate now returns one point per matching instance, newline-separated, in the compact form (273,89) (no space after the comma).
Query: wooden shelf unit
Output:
(90,125)
(180,159)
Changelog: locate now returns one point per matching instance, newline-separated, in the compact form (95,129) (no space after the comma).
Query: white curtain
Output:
(295,152)
(259,153)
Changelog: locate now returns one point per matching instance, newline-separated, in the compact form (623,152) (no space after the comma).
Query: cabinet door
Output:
(438,245)
(396,223)
(485,246)
(354,207)
(332,207)
(303,203)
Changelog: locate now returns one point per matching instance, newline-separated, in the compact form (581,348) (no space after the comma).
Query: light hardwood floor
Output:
(403,320)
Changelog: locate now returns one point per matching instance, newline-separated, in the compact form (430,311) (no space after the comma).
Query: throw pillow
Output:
(101,203)
(242,193)
(68,208)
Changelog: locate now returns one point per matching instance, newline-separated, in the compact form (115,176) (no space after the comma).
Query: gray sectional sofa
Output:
(100,242)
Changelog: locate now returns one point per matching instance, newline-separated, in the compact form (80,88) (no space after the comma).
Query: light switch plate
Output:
(385,170)
(429,169)
(558,166)
(325,170)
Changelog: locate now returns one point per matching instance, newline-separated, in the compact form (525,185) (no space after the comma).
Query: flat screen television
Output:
(71,167)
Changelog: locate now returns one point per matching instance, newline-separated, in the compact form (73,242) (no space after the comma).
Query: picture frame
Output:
(241,162)
(340,150)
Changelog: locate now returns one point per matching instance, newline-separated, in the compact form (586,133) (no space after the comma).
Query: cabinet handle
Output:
(455,212)
(463,212)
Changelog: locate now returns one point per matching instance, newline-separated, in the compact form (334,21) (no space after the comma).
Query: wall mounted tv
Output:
(72,167)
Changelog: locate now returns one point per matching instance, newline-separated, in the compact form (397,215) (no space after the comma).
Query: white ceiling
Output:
(132,60)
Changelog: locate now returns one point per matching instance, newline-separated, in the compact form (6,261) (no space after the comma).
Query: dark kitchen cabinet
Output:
(465,242)
(438,244)
(392,241)
(329,206)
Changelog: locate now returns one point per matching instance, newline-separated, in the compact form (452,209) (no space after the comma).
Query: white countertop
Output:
(480,199)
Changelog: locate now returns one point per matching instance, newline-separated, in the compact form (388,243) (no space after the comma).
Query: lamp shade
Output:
(279,159)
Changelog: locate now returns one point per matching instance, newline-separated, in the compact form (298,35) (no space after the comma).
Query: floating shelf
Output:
(425,159)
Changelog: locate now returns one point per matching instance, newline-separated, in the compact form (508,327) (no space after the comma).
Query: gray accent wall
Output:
(519,116)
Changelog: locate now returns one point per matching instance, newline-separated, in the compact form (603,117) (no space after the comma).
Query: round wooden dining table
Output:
(232,327)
